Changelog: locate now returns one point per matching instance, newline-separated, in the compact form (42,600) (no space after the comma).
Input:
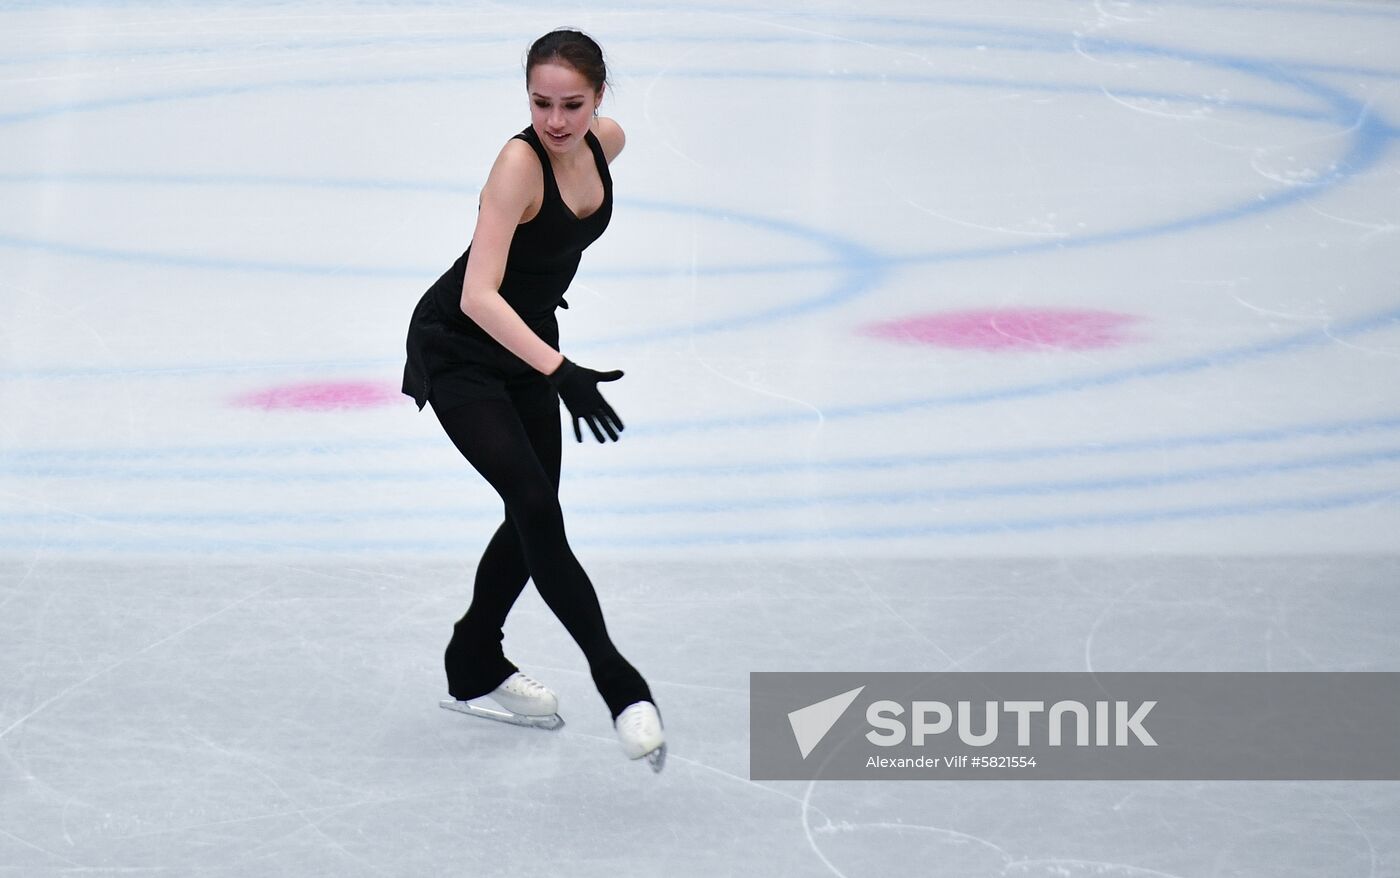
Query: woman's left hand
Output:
(578,387)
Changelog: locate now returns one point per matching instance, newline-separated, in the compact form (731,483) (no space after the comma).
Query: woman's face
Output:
(562,102)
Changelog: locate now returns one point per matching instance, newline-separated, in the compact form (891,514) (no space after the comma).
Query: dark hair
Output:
(574,49)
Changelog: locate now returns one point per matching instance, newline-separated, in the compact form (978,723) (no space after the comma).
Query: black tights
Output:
(520,458)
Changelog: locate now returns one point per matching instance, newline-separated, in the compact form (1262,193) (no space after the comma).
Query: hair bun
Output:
(574,49)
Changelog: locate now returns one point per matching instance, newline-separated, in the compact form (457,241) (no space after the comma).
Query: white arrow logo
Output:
(810,724)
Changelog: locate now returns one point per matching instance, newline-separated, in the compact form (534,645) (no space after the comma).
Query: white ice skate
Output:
(520,701)
(639,730)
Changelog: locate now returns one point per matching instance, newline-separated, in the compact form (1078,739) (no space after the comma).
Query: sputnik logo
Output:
(811,723)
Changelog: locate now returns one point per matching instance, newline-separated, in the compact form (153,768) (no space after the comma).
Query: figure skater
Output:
(483,350)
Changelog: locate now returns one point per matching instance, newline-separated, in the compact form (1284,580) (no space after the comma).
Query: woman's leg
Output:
(475,661)
(492,437)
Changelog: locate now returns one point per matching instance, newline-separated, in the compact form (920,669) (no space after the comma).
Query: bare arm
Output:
(610,135)
(505,198)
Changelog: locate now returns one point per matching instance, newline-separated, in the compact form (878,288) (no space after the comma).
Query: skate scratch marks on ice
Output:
(646,106)
(43,850)
(699,358)
(831,828)
(1097,867)
(112,667)
(323,811)
(1102,616)
(671,757)
(1029,233)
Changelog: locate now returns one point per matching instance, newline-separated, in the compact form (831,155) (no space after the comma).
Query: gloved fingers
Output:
(607,426)
(593,425)
(577,433)
(611,415)
(609,376)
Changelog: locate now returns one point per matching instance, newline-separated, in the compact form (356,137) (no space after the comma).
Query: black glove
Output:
(578,387)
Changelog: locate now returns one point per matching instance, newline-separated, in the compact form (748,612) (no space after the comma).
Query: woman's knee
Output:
(536,510)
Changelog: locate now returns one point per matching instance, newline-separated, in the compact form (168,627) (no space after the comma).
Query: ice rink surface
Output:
(958,336)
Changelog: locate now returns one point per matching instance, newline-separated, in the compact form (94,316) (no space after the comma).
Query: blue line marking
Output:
(864,269)
(94,105)
(1338,10)
(1232,356)
(273,46)
(1369,144)
(113,464)
(1042,488)
(1333,10)
(1017,525)
(185,545)
(113,178)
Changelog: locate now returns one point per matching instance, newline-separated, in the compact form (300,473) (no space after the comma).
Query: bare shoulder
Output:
(610,136)
(516,165)
(516,179)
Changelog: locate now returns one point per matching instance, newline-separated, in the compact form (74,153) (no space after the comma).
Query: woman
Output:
(483,349)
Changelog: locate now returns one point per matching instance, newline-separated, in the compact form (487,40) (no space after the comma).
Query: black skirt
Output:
(452,361)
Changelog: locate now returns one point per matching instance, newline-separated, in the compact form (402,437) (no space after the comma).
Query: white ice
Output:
(230,552)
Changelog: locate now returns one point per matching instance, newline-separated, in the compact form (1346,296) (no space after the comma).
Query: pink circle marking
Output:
(320,396)
(1011,329)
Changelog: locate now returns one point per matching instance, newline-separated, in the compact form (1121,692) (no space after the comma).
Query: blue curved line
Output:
(186,370)
(341,270)
(1330,69)
(1287,112)
(1329,10)
(1015,525)
(1342,107)
(1044,488)
(863,264)
(1373,137)
(1010,525)
(1246,353)
(98,473)
(464,39)
(101,462)
(856,258)
(1041,488)
(187,545)
(864,267)
(1365,151)
(1348,10)
(1036,42)
(93,468)
(1039,39)
(1337,69)
(114,178)
(94,105)
(1248,68)
(212,263)
(1333,11)
(328,269)
(1006,455)
(223,91)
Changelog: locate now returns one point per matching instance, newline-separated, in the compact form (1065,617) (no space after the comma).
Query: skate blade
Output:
(657,759)
(549,722)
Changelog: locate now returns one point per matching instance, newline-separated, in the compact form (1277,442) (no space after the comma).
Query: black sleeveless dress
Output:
(452,360)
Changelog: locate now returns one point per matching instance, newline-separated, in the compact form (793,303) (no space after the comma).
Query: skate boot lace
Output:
(526,686)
